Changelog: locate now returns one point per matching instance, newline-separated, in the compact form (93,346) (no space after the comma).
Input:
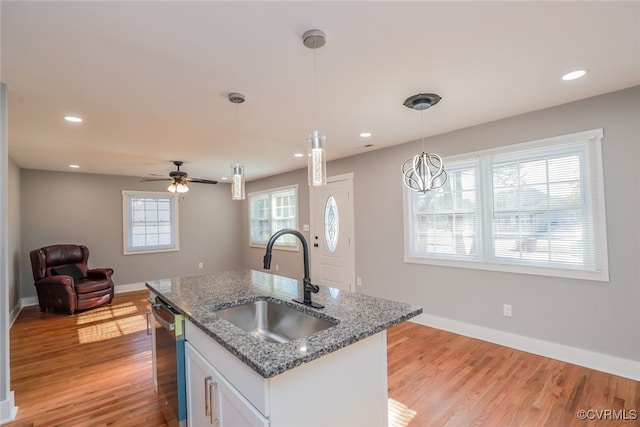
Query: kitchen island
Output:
(336,376)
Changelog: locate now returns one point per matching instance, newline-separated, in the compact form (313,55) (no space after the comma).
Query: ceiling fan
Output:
(180,179)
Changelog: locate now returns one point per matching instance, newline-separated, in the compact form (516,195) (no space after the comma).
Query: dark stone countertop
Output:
(359,316)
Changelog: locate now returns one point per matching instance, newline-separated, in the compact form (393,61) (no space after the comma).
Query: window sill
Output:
(150,251)
(295,248)
(598,276)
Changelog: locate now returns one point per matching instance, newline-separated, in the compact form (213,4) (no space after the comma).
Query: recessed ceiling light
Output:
(73,119)
(365,134)
(74,166)
(298,155)
(224,178)
(574,75)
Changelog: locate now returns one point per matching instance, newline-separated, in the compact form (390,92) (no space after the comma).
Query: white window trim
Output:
(601,275)
(279,246)
(126,221)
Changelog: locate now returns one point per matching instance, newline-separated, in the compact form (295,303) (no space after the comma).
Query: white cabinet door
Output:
(199,377)
(212,400)
(234,409)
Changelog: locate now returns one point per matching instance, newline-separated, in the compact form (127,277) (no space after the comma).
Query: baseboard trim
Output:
(8,410)
(587,358)
(131,287)
(13,314)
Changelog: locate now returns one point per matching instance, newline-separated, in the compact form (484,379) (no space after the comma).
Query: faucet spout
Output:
(307,286)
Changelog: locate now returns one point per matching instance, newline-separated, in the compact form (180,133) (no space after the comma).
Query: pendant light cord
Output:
(237,133)
(422,130)
(315,88)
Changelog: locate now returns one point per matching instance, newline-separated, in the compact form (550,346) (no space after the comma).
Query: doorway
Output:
(332,233)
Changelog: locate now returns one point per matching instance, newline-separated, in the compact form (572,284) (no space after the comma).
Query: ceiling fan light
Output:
(178,187)
(181,187)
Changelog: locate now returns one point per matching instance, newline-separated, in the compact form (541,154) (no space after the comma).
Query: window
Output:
(535,208)
(270,211)
(150,222)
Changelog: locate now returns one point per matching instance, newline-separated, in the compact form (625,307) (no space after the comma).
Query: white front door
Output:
(332,244)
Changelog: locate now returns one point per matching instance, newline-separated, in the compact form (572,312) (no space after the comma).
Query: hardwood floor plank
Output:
(94,369)
(443,379)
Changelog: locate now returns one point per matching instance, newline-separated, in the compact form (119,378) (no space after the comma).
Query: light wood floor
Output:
(94,369)
(437,378)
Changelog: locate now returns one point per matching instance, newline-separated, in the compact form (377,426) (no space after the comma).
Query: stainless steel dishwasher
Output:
(170,368)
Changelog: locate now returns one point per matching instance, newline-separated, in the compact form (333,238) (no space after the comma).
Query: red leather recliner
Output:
(65,283)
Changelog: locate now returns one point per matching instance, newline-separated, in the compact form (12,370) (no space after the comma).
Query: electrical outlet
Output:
(358,281)
(200,264)
(507,310)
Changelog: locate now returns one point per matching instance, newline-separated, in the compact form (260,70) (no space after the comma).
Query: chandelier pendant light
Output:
(237,170)
(317,160)
(423,172)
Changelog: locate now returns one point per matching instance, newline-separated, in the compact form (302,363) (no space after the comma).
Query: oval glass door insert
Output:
(331,223)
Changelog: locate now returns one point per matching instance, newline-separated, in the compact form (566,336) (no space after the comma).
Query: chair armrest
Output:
(61,281)
(100,273)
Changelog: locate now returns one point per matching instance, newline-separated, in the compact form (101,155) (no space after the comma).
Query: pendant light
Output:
(423,172)
(237,170)
(317,167)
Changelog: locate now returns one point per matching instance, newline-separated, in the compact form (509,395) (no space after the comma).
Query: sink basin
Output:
(272,322)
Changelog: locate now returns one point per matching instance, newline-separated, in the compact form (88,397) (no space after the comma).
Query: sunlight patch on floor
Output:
(399,415)
(112,329)
(106,312)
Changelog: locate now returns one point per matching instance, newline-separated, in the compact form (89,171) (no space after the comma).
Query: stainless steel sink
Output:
(273,322)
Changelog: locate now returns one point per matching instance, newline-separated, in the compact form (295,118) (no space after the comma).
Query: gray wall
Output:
(597,316)
(70,207)
(13,238)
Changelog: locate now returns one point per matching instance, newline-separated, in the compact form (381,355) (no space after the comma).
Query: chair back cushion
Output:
(45,259)
(68,270)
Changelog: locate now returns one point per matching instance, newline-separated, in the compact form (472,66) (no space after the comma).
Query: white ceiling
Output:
(151,79)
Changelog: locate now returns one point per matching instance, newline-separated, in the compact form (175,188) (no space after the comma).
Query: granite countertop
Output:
(359,316)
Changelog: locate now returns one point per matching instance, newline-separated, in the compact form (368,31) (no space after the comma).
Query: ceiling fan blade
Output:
(201,181)
(155,179)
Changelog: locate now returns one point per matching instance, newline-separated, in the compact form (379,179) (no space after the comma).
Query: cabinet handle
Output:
(207,396)
(148,323)
(212,417)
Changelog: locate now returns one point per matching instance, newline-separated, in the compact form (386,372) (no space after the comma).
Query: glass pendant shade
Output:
(178,187)
(317,160)
(237,185)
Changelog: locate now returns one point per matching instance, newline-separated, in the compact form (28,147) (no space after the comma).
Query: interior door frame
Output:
(348,177)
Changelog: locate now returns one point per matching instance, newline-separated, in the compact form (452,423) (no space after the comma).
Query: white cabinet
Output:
(345,388)
(212,400)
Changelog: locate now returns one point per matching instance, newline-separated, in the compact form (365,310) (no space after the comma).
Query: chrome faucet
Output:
(307,286)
